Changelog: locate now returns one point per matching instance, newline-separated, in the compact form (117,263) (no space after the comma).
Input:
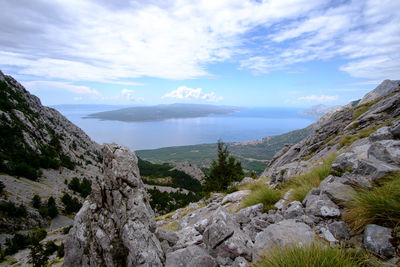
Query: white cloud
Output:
(62,86)
(109,41)
(184,92)
(319,98)
(128,95)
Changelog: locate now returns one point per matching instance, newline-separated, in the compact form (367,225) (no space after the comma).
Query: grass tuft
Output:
(262,194)
(302,184)
(315,255)
(380,205)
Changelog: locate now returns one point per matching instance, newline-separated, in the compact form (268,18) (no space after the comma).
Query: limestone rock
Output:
(282,234)
(385,88)
(115,224)
(191,170)
(377,240)
(192,256)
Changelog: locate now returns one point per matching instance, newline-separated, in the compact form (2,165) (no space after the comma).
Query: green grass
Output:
(262,194)
(315,255)
(380,205)
(302,184)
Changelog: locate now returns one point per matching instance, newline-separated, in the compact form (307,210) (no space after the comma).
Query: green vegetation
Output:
(9,208)
(16,157)
(71,204)
(315,255)
(347,140)
(84,187)
(224,171)
(361,109)
(163,112)
(253,156)
(37,255)
(262,194)
(18,242)
(380,205)
(36,202)
(150,172)
(164,202)
(302,184)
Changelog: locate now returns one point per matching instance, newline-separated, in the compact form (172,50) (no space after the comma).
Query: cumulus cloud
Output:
(186,93)
(128,94)
(319,98)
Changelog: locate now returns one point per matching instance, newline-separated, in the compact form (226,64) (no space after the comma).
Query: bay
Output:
(247,125)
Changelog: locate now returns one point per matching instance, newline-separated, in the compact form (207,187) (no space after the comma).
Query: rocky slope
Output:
(218,232)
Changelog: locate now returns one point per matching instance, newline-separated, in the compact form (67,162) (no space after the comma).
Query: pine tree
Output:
(225,170)
(37,255)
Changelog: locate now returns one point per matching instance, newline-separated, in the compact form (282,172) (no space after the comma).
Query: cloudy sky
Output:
(230,52)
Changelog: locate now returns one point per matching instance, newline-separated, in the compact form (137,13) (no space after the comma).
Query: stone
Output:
(188,236)
(373,169)
(395,131)
(383,133)
(169,236)
(59,222)
(336,191)
(384,88)
(377,240)
(321,205)
(225,239)
(282,234)
(192,256)
(240,262)
(119,229)
(387,151)
(339,230)
(294,209)
(245,215)
(235,196)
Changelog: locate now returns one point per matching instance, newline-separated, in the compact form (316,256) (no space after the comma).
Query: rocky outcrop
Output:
(334,131)
(116,224)
(191,170)
(385,88)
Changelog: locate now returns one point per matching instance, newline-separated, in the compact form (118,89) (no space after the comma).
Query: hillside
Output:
(253,155)
(163,112)
(333,197)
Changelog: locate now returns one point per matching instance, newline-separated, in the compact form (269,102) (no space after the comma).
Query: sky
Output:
(264,53)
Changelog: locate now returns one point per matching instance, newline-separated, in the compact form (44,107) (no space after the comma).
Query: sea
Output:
(249,124)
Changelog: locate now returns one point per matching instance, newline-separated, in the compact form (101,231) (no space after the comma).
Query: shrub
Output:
(315,255)
(11,210)
(36,202)
(302,184)
(2,186)
(224,171)
(265,195)
(71,204)
(380,205)
(50,248)
(37,255)
(65,230)
(60,251)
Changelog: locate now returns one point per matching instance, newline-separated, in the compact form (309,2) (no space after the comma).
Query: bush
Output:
(36,201)
(37,255)
(11,210)
(380,205)
(224,171)
(265,195)
(2,186)
(315,255)
(71,204)
(50,248)
(60,251)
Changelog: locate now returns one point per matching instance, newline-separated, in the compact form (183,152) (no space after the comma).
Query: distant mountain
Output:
(163,112)
(318,111)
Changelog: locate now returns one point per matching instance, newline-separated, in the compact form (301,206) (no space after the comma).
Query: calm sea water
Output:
(247,125)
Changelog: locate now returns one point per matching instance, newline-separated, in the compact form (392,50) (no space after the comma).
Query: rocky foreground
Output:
(116,225)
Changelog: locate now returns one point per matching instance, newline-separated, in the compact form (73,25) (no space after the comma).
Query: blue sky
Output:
(295,53)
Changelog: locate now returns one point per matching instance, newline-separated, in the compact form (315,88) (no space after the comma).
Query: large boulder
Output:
(282,234)
(377,240)
(224,238)
(116,224)
(193,256)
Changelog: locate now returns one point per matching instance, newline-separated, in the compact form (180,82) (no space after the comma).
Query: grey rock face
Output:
(339,230)
(115,225)
(295,209)
(376,240)
(385,88)
(336,191)
(320,205)
(192,256)
(191,170)
(224,238)
(282,234)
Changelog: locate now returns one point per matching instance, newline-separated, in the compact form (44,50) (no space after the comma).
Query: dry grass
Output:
(380,205)
(265,195)
(173,226)
(302,184)
(315,255)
